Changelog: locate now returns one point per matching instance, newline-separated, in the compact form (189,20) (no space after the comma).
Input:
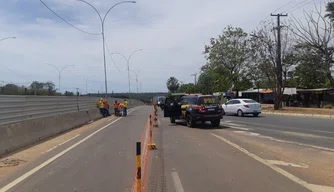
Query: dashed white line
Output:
(301,182)
(299,165)
(62,143)
(177,181)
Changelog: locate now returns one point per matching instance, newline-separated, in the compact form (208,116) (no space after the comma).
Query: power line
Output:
(67,21)
(295,6)
(111,57)
(14,72)
(283,6)
(301,6)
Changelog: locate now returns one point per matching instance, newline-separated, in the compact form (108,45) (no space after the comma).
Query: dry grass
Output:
(299,110)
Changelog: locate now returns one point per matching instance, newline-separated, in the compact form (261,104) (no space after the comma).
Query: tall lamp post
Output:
(86,79)
(103,38)
(136,73)
(59,72)
(128,64)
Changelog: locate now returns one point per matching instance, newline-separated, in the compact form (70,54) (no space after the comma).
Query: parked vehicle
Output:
(241,107)
(193,109)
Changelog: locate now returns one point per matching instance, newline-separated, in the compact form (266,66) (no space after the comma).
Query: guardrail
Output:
(15,108)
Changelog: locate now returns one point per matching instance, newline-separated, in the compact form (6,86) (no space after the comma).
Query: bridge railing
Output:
(15,108)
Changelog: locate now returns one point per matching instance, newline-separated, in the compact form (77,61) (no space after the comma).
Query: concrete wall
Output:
(16,135)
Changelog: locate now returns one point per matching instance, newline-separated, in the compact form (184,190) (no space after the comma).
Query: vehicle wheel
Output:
(190,121)
(240,113)
(172,120)
(203,122)
(256,114)
(216,122)
(223,111)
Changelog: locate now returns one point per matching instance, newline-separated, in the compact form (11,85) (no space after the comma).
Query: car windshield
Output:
(208,100)
(249,101)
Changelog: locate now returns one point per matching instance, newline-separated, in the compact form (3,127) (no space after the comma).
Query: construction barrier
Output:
(143,149)
(138,166)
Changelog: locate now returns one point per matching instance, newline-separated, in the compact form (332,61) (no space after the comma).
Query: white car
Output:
(241,107)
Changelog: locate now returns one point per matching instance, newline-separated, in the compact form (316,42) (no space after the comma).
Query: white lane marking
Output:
(301,182)
(275,162)
(227,121)
(240,128)
(34,170)
(302,144)
(285,141)
(159,122)
(62,143)
(177,181)
(254,134)
(238,125)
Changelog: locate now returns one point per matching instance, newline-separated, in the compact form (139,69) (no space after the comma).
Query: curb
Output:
(300,115)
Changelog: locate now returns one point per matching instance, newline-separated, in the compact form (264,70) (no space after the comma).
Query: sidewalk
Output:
(299,115)
(299,111)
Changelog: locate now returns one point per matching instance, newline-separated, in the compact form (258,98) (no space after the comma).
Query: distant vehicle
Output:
(241,107)
(194,108)
(159,101)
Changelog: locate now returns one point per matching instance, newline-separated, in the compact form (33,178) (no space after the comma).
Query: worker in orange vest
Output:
(116,108)
(106,107)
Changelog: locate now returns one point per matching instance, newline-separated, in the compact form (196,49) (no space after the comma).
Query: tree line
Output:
(237,60)
(35,88)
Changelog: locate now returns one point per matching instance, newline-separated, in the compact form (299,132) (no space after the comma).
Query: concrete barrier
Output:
(17,135)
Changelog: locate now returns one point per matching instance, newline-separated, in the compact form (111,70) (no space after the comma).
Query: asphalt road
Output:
(104,161)
(213,159)
(229,158)
(310,131)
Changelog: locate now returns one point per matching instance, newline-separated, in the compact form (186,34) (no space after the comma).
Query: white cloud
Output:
(171,33)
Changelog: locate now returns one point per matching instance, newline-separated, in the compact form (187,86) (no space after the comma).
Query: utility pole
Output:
(195,74)
(278,59)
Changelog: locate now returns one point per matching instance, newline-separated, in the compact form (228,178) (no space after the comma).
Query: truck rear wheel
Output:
(172,120)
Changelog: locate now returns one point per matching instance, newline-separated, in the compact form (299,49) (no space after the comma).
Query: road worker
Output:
(125,107)
(116,108)
(101,107)
(106,107)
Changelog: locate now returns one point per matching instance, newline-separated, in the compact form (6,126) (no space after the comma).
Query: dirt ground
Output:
(299,110)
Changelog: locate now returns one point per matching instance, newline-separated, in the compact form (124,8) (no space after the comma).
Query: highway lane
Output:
(193,159)
(102,161)
(310,131)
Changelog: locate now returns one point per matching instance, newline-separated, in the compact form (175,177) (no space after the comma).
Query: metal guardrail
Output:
(15,108)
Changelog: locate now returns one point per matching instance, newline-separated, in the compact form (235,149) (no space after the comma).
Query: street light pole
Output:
(136,73)
(128,64)
(7,38)
(103,37)
(59,73)
(86,79)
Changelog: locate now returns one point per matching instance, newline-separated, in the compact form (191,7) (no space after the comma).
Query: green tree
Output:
(310,72)
(265,69)
(317,33)
(205,82)
(188,88)
(230,54)
(11,89)
(172,84)
(330,11)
